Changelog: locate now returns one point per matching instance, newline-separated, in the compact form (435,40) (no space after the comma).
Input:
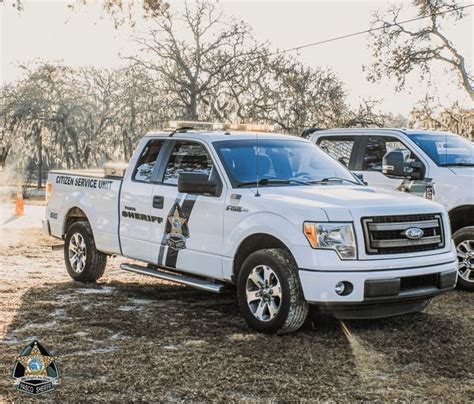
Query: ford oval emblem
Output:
(414,233)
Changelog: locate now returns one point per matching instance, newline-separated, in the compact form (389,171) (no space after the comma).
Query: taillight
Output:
(49,188)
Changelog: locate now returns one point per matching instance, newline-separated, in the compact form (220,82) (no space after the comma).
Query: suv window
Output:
(187,157)
(339,148)
(377,147)
(146,161)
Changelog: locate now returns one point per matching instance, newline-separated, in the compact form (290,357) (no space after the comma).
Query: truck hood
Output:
(347,203)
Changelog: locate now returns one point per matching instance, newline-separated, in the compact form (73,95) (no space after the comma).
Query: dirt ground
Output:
(130,337)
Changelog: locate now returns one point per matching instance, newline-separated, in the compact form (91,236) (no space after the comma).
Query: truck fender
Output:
(80,201)
(269,223)
(461,216)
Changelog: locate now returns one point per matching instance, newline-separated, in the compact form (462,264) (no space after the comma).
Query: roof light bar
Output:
(250,127)
(195,125)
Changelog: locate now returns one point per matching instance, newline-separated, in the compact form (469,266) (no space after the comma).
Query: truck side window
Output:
(377,147)
(146,161)
(188,157)
(339,148)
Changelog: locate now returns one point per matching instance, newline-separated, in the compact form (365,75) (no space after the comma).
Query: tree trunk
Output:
(192,107)
(39,139)
(125,144)
(3,156)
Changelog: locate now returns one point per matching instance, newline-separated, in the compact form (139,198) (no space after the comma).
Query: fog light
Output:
(340,287)
(343,288)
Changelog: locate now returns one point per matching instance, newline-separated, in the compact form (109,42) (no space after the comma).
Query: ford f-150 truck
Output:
(272,214)
(434,165)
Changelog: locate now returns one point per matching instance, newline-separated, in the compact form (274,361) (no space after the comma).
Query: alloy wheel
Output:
(77,252)
(465,252)
(263,292)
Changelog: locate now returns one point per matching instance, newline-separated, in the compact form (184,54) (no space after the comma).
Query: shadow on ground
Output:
(117,341)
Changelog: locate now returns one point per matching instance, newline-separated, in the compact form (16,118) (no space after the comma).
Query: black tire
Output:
(464,235)
(292,307)
(95,261)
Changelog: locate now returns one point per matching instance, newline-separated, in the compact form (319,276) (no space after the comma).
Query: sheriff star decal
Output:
(176,228)
(176,221)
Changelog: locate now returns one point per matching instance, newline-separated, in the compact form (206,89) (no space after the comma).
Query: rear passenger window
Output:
(146,161)
(187,157)
(377,147)
(339,149)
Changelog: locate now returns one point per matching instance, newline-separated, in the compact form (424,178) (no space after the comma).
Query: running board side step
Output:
(173,277)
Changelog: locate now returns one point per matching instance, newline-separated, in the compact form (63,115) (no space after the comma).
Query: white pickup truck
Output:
(435,165)
(272,214)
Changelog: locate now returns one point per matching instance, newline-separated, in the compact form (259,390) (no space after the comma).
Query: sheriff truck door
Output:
(191,236)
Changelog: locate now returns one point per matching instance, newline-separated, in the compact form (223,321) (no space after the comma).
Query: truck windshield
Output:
(446,149)
(280,162)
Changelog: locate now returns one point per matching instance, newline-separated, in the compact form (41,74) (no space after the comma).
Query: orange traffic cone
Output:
(19,204)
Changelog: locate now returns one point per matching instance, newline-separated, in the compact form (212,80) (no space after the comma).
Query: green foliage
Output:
(84,116)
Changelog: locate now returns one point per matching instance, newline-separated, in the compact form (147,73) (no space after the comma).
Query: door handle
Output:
(158,202)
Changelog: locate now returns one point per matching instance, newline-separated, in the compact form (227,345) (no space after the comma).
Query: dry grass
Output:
(133,338)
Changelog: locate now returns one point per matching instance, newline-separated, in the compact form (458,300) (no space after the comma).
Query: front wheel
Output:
(84,262)
(269,292)
(464,241)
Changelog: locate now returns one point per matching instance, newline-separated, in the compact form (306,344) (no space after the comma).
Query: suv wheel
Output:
(464,241)
(269,292)
(84,262)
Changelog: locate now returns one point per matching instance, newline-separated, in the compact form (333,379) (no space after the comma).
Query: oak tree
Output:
(398,49)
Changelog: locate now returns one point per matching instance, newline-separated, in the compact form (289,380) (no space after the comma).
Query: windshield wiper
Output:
(268,181)
(457,165)
(339,179)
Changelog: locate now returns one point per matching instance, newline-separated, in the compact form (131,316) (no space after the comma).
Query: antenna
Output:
(258,151)
(180,130)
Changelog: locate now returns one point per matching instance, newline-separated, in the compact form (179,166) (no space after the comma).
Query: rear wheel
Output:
(464,241)
(84,262)
(269,292)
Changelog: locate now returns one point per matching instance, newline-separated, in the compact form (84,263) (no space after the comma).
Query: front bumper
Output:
(379,287)
(365,311)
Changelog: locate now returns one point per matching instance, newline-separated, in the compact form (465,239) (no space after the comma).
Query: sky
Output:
(49,30)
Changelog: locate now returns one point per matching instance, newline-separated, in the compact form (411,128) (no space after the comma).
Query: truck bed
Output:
(97,194)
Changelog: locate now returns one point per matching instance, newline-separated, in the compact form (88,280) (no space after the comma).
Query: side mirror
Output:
(395,164)
(195,183)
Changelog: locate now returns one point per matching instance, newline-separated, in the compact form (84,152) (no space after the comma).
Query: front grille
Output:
(386,234)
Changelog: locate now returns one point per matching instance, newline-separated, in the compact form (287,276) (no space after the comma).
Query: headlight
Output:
(334,236)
